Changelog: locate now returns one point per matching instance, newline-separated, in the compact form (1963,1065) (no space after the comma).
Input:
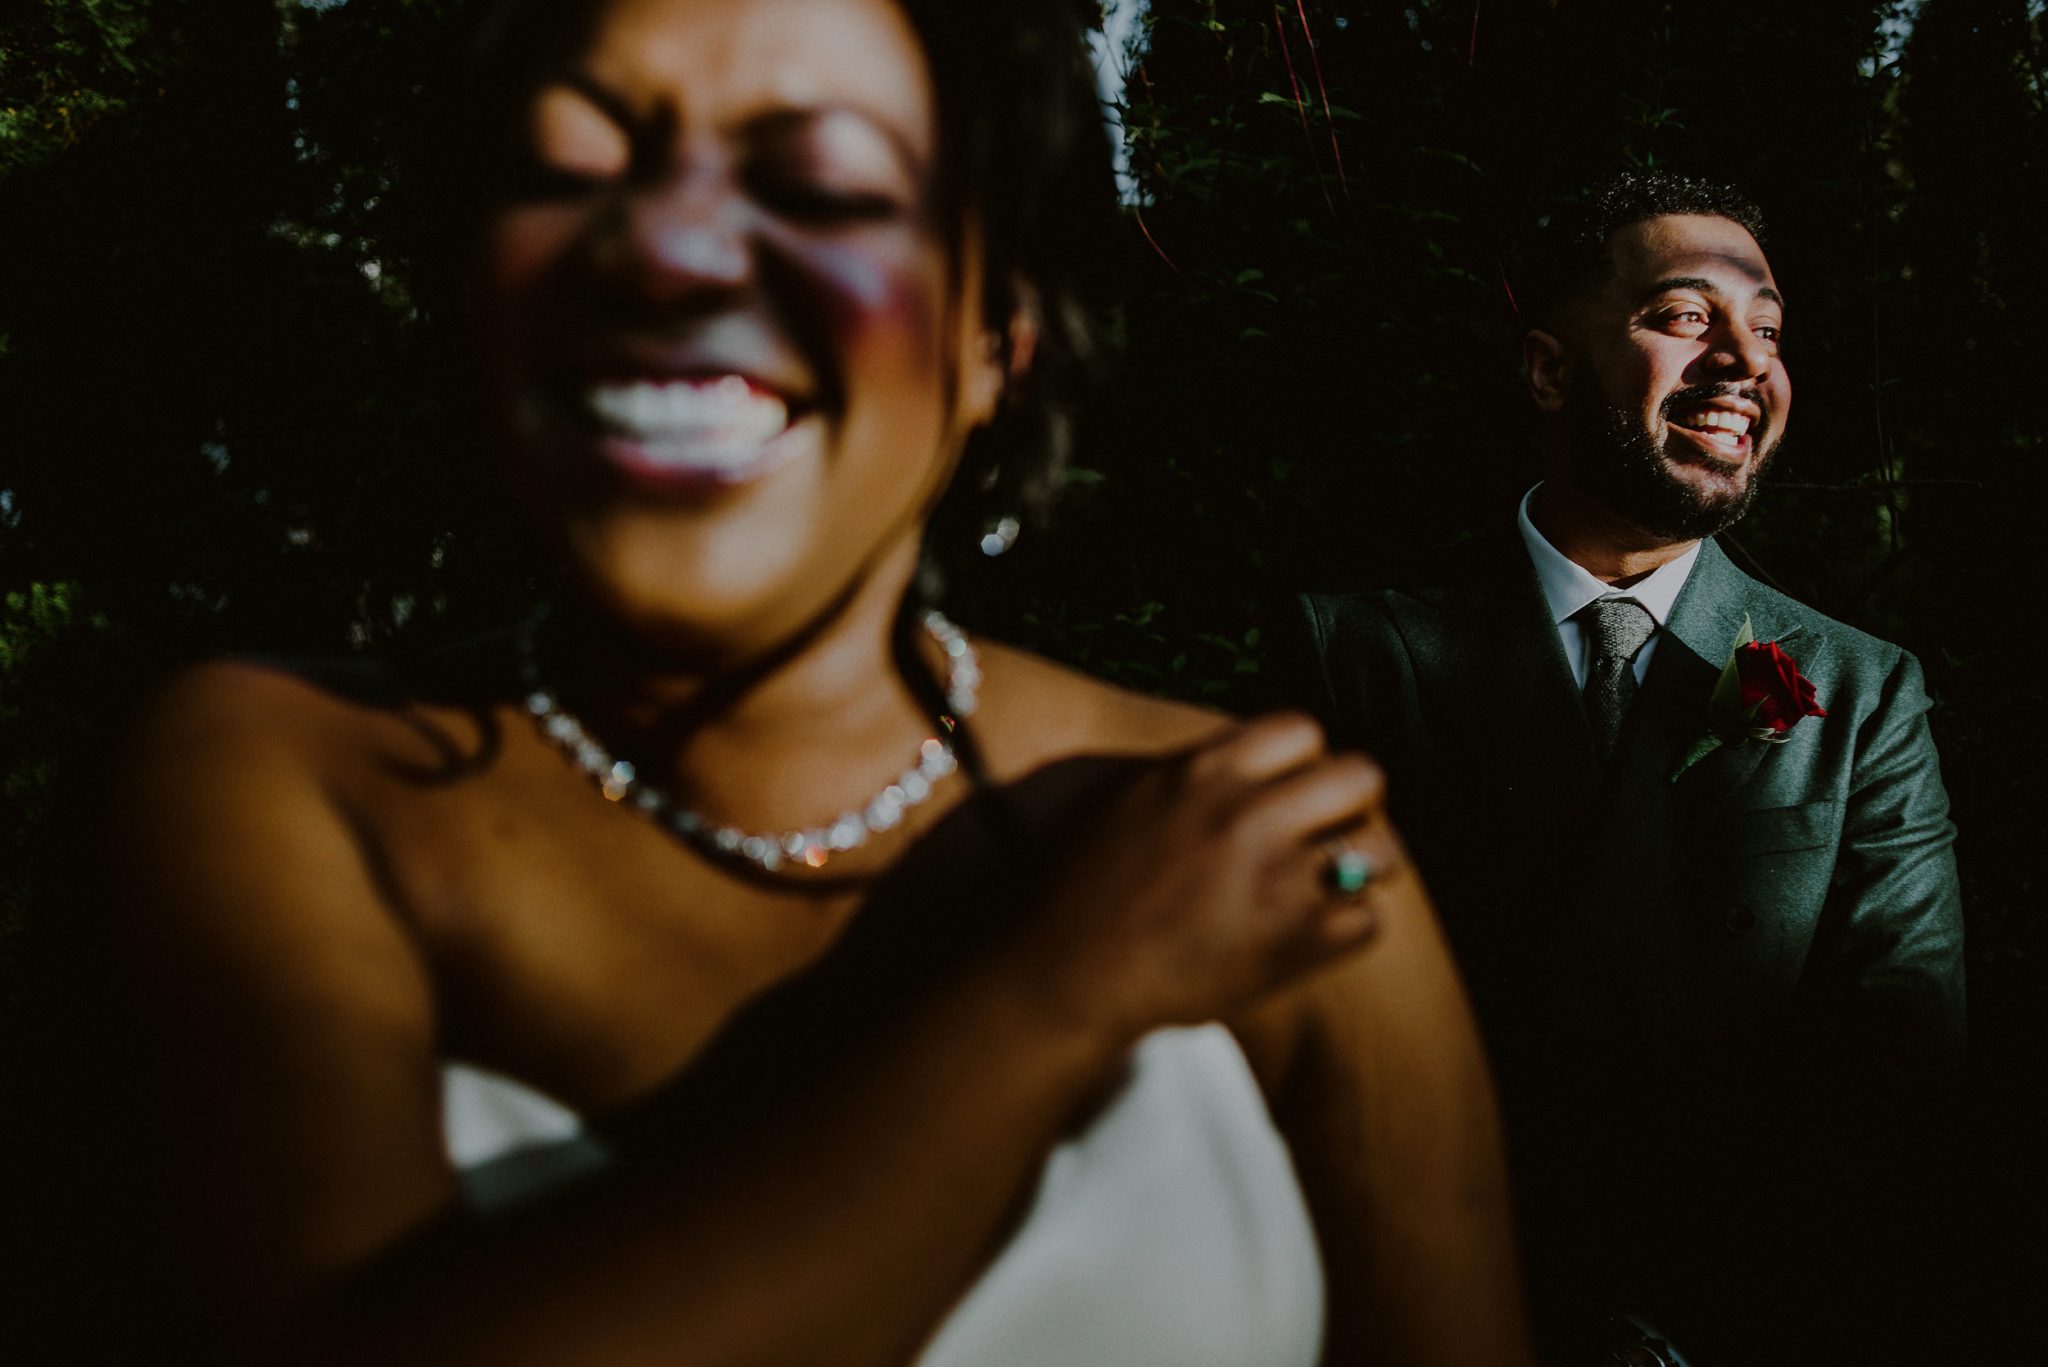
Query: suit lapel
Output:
(1670,713)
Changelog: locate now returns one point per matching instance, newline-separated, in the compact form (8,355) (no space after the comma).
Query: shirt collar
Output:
(1567,587)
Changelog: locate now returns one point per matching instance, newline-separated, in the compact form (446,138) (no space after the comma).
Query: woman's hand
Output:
(1204,884)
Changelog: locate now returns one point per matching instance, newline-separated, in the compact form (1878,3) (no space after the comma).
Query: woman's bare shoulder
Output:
(1040,711)
(230,776)
(236,809)
(242,720)
(265,956)
(246,704)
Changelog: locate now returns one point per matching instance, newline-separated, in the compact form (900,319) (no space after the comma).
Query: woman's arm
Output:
(296,1020)
(1389,1109)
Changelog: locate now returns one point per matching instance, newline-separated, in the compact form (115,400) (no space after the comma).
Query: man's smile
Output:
(1726,427)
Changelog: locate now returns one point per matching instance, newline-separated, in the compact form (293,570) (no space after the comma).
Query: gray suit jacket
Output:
(1721,1009)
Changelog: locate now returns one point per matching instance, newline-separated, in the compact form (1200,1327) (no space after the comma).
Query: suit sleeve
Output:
(1864,1175)
(1896,900)
(1295,672)
(1338,657)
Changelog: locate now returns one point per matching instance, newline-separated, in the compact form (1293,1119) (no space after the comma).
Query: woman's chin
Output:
(712,601)
(660,595)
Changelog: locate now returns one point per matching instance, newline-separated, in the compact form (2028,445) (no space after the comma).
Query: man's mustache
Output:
(1695,395)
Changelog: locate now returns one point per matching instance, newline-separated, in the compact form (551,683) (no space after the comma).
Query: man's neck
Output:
(1603,544)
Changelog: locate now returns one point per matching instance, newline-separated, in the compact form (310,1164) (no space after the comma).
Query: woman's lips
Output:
(685,433)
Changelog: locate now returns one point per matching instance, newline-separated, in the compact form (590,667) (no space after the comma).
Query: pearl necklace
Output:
(769,851)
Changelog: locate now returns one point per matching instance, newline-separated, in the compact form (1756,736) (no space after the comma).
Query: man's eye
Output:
(1686,318)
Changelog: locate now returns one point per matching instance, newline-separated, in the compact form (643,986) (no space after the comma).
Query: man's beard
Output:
(1621,465)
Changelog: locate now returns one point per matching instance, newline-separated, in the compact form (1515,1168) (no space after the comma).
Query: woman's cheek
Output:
(520,248)
(883,296)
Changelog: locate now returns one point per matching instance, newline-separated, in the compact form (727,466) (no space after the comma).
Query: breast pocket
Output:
(1784,830)
(1760,880)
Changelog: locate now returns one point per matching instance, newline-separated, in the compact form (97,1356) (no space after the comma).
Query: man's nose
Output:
(1737,350)
(685,236)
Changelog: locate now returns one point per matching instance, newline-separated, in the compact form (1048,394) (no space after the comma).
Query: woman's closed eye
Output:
(806,199)
(834,166)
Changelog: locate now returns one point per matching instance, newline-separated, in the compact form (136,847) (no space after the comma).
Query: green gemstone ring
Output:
(1349,872)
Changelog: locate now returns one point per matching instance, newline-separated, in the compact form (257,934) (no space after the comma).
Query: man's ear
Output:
(1003,357)
(1546,368)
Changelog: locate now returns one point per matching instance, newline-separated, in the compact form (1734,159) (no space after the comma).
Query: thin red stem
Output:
(1139,215)
(1322,93)
(1300,105)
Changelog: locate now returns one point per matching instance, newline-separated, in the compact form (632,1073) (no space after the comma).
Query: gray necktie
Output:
(1617,627)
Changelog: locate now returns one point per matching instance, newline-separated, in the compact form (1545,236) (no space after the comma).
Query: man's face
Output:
(1669,377)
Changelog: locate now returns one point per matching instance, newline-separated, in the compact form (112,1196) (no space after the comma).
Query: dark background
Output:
(223,425)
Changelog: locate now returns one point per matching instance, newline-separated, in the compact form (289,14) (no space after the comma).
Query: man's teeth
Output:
(720,422)
(1717,419)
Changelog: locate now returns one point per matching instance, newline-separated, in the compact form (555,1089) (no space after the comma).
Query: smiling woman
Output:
(609,990)
(730,479)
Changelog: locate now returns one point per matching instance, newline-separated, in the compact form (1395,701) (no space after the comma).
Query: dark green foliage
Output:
(1324,371)
(64,68)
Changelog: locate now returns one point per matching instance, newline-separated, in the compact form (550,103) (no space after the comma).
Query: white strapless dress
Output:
(1171,1232)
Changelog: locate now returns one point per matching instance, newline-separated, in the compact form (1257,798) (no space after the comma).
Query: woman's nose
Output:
(686,236)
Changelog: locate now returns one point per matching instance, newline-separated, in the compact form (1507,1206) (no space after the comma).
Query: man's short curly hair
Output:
(1569,250)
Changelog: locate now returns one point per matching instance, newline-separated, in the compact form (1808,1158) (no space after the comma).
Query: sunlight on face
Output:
(1679,395)
(725,329)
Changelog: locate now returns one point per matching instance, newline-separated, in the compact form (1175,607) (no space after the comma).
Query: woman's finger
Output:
(1258,750)
(1339,878)
(1316,799)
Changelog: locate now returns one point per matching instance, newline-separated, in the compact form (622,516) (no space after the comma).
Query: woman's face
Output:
(727,340)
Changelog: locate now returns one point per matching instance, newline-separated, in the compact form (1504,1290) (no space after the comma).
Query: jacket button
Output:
(1740,920)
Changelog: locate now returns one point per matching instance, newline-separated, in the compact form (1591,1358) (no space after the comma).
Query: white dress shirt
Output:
(1567,587)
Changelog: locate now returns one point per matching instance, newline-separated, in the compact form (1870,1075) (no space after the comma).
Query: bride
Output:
(740,962)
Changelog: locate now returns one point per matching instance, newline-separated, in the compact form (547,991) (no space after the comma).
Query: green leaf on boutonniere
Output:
(1724,708)
(1727,700)
(1701,748)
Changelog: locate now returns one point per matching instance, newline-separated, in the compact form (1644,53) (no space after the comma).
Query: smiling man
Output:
(1689,836)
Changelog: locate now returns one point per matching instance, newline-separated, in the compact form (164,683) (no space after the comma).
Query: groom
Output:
(1688,835)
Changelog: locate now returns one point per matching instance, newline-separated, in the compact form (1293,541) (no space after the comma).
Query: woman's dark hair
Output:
(1027,149)
(1024,149)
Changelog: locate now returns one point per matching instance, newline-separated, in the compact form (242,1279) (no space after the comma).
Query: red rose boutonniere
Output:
(1760,698)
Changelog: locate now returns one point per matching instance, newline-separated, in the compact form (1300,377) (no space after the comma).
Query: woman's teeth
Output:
(721,422)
